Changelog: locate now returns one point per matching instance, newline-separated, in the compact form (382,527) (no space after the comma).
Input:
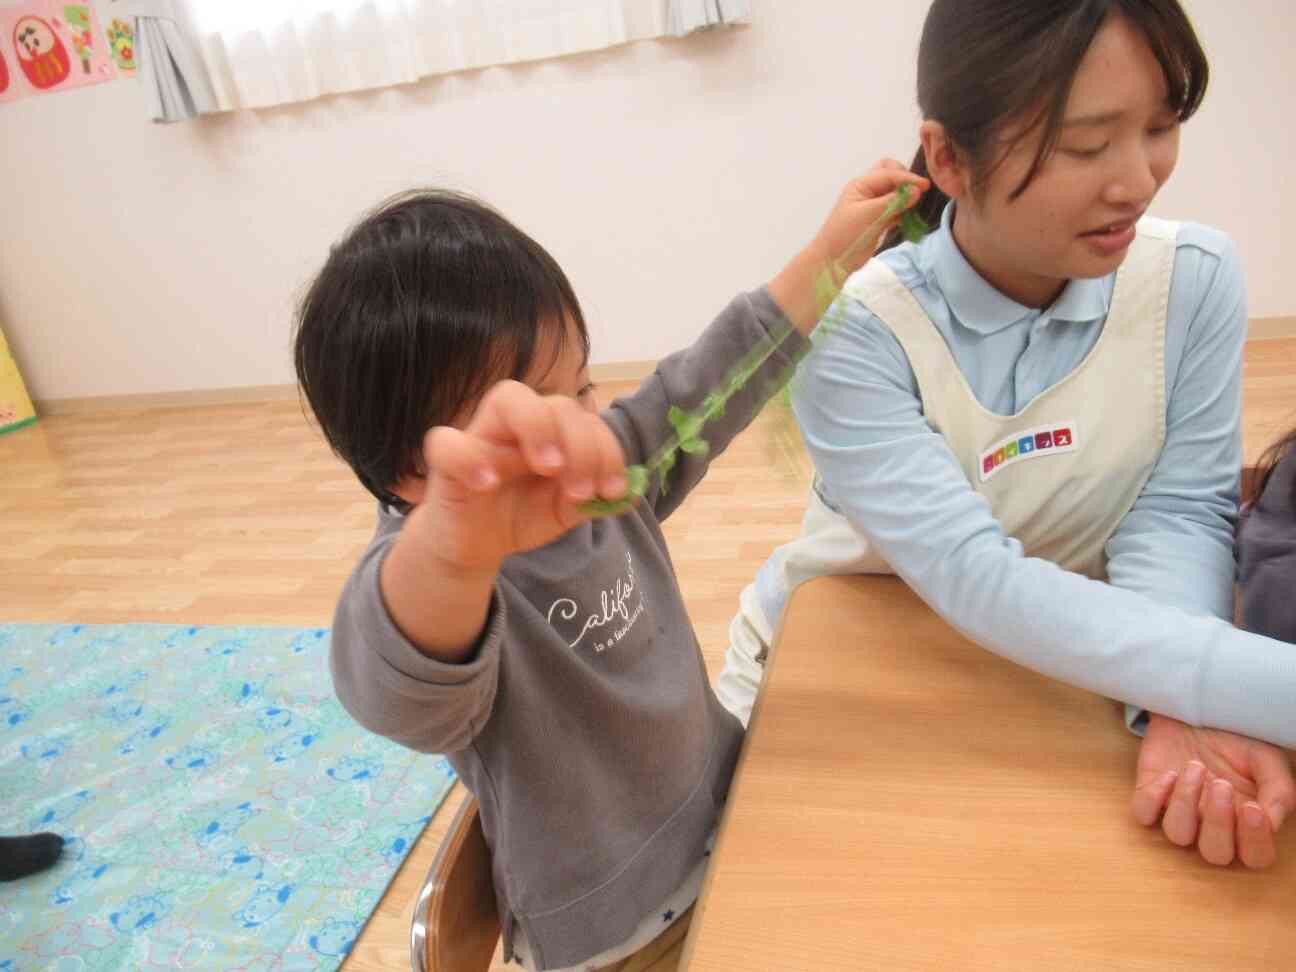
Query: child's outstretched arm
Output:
(688,411)
(866,208)
(509,481)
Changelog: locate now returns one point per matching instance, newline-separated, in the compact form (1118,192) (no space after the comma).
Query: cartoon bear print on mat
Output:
(308,640)
(353,769)
(335,937)
(292,746)
(196,758)
(265,903)
(153,727)
(80,881)
(13,712)
(140,912)
(219,831)
(274,718)
(61,811)
(43,748)
(243,863)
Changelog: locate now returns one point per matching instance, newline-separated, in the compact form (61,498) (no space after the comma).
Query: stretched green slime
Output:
(688,426)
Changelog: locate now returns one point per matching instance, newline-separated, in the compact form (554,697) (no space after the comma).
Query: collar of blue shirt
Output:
(979,307)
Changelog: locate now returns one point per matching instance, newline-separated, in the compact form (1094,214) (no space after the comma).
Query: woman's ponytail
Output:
(929,207)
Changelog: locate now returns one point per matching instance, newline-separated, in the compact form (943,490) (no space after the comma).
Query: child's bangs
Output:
(550,316)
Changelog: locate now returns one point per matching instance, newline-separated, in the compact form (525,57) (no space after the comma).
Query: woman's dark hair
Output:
(423,305)
(1268,463)
(985,64)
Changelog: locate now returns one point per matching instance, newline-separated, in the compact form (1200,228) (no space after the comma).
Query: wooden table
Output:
(907,800)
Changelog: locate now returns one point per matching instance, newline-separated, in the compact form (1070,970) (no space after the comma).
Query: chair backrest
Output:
(456,922)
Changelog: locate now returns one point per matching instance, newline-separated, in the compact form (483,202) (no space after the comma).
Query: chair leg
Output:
(455,925)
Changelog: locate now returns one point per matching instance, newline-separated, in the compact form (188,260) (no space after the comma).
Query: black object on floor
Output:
(21,856)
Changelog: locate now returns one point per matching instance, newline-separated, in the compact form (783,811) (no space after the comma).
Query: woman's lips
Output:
(1112,238)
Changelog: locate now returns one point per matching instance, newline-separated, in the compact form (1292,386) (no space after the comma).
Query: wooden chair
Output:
(456,922)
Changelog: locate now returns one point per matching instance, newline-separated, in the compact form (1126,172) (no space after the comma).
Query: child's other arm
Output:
(416,637)
(511,480)
(393,687)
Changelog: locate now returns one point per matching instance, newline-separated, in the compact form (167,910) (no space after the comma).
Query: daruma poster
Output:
(50,45)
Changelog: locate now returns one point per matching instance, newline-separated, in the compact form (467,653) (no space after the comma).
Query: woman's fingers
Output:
(1255,839)
(1272,772)
(1215,841)
(1182,821)
(1150,797)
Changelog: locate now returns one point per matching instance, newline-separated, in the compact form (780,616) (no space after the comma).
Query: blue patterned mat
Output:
(221,808)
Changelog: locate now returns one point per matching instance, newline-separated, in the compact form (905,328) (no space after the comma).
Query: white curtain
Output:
(268,52)
(687,16)
(172,74)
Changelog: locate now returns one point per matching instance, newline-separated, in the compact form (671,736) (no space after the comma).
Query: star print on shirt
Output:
(668,916)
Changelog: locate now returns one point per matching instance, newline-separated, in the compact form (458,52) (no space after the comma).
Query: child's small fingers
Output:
(581,461)
(1215,841)
(513,414)
(612,472)
(460,458)
(1256,847)
(882,182)
(1150,797)
(1182,821)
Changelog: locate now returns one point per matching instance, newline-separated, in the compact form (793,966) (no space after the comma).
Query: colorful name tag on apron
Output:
(1036,443)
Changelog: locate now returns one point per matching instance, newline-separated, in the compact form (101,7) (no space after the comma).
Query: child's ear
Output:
(944,161)
(411,487)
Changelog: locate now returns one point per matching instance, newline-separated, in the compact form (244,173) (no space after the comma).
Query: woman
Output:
(1033,415)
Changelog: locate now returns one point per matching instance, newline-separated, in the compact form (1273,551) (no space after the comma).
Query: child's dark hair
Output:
(423,305)
(985,64)
(1268,462)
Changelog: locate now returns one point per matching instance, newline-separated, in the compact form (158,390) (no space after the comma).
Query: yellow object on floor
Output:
(15,406)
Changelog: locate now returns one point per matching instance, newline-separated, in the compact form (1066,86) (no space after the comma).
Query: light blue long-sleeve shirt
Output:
(1153,636)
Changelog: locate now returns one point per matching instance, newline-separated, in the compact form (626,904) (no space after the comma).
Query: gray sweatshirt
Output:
(1267,557)
(584,724)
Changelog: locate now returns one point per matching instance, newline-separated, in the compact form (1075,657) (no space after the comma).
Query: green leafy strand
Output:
(687,437)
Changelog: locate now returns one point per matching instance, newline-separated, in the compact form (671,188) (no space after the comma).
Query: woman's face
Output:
(1118,145)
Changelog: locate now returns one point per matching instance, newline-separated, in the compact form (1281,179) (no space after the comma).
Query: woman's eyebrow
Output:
(1099,118)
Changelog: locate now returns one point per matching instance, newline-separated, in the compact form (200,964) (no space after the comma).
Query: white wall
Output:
(663,176)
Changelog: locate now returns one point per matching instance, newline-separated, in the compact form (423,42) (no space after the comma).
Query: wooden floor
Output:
(237,514)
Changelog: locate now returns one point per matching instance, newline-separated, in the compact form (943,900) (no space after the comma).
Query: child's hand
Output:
(514,477)
(851,233)
(843,244)
(1224,793)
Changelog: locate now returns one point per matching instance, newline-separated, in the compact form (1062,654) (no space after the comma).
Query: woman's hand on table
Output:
(1226,794)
